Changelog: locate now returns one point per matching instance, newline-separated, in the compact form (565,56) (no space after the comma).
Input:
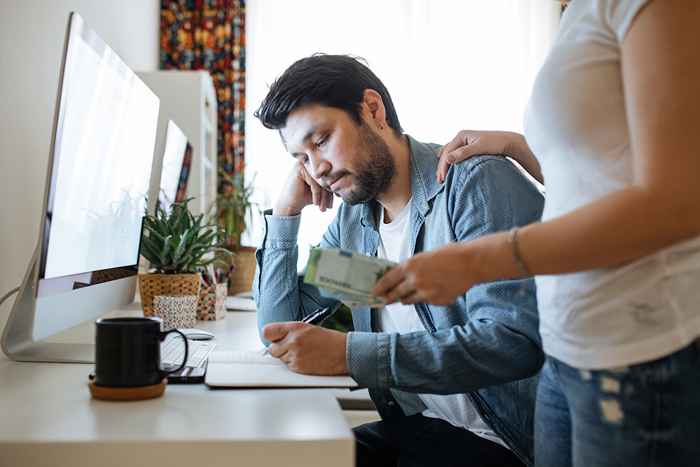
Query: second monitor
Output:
(177,161)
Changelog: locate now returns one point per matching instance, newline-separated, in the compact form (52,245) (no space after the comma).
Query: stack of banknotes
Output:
(347,276)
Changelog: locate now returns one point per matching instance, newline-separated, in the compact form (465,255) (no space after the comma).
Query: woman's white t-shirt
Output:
(577,126)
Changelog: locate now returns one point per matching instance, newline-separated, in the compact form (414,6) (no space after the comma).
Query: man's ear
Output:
(373,107)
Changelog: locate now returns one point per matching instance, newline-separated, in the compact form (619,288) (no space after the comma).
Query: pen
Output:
(321,314)
(316,317)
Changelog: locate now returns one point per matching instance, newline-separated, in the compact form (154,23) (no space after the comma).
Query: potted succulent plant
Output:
(232,209)
(177,244)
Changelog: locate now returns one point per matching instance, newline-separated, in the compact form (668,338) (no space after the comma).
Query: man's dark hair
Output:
(330,80)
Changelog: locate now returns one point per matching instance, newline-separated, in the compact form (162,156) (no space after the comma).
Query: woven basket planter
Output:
(151,285)
(241,279)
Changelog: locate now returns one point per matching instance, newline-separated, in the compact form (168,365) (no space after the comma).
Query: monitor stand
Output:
(18,341)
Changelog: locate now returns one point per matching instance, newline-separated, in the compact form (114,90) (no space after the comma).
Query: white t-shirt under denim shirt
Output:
(455,409)
(577,126)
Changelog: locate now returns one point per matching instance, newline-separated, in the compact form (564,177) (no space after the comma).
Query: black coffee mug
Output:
(127,352)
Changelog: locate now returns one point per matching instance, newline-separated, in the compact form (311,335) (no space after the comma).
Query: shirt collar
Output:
(424,184)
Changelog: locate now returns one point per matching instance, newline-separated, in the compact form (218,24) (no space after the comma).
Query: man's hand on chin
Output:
(306,348)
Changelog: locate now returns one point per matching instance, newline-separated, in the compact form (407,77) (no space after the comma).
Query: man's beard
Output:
(375,174)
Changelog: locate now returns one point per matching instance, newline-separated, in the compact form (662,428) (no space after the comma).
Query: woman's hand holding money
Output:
(440,276)
(437,277)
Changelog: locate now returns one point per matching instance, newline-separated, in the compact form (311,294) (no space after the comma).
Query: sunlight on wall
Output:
(447,65)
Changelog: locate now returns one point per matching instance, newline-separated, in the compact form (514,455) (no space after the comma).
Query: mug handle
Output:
(161,336)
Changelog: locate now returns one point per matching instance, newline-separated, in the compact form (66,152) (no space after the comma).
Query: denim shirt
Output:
(486,344)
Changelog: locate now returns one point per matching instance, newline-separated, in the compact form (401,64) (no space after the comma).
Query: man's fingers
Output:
(326,200)
(277,350)
(317,191)
(285,358)
(315,194)
(276,331)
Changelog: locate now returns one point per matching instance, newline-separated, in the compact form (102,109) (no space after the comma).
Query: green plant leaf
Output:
(177,241)
(164,252)
(149,250)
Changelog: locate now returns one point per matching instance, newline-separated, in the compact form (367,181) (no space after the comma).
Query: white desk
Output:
(47,418)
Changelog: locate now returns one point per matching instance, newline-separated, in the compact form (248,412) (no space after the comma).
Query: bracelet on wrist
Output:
(515,249)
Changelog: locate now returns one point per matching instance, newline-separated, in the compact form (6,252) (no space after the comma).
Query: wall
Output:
(31,42)
(443,76)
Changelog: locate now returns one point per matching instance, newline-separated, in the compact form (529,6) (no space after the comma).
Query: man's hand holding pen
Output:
(307,348)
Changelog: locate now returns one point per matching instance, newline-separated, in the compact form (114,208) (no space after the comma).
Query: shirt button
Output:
(391,403)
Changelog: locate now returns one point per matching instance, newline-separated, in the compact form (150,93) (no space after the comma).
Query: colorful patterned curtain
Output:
(210,35)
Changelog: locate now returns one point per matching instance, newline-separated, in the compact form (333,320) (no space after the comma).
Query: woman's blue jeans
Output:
(636,416)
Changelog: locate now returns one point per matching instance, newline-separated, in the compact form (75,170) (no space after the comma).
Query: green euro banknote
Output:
(348,275)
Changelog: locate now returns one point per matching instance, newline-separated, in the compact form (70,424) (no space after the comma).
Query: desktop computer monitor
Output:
(99,168)
(177,160)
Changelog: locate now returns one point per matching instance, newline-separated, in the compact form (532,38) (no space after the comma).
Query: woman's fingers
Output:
(403,290)
(461,139)
(453,152)
(443,167)
(463,153)
(412,299)
(388,282)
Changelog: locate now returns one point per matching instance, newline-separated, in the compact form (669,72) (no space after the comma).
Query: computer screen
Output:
(99,169)
(177,159)
(102,153)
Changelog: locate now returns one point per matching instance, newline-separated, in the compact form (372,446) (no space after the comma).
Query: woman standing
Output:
(613,118)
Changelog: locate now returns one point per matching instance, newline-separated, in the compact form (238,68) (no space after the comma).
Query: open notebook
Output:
(255,369)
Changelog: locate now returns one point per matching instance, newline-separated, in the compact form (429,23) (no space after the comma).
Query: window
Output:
(448,65)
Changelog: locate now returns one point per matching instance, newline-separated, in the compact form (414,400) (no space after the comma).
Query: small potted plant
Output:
(177,244)
(232,208)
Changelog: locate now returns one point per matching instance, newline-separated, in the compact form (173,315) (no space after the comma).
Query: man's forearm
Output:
(276,289)
(280,293)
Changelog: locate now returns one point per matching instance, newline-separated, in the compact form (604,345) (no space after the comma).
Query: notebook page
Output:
(244,356)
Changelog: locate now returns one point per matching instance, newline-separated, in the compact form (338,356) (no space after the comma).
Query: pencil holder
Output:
(211,302)
(179,311)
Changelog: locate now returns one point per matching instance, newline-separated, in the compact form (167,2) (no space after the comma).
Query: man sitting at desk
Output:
(454,385)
